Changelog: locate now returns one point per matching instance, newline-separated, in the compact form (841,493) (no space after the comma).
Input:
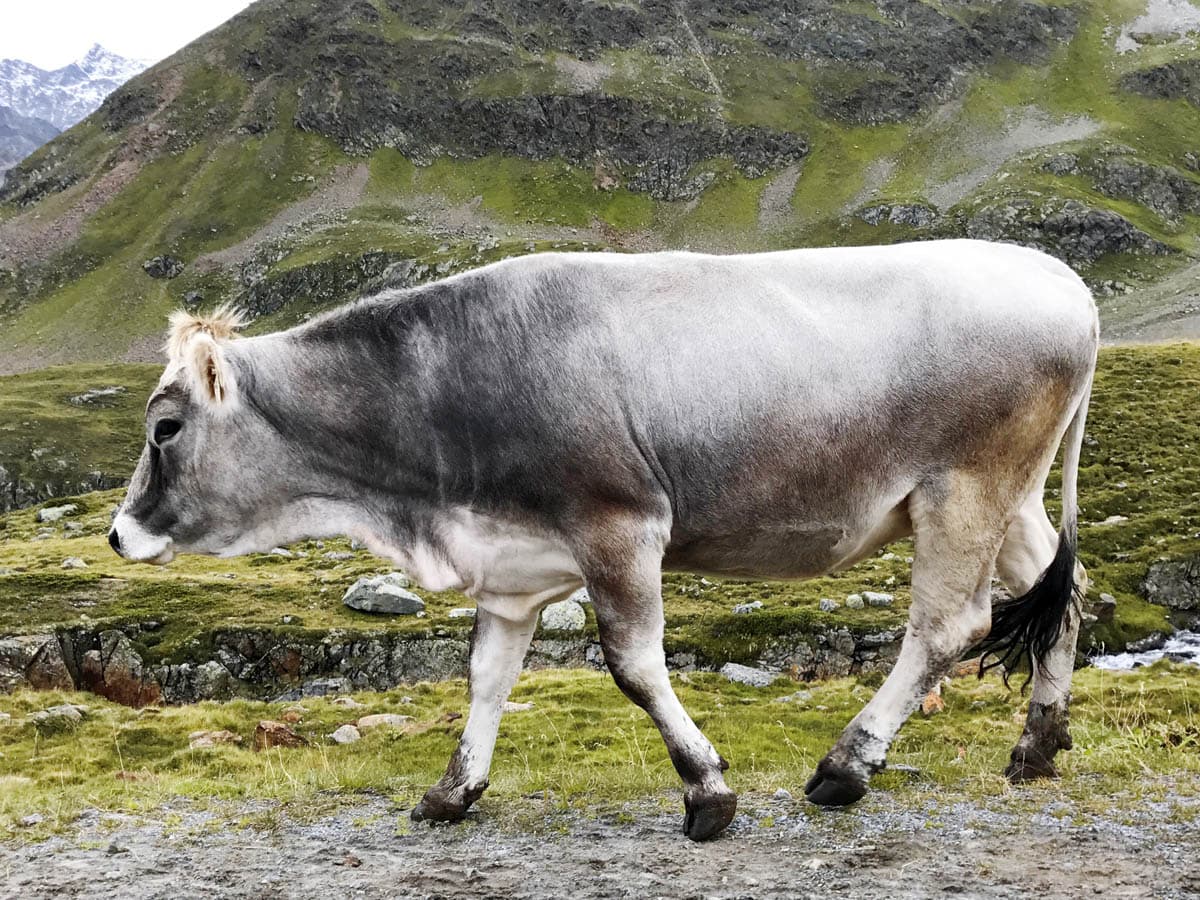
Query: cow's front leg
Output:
(626,592)
(498,648)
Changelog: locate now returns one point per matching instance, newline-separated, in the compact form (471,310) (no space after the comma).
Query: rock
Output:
(339,555)
(462,612)
(933,703)
(54,513)
(201,739)
(1114,520)
(1104,608)
(346,734)
(293,714)
(347,703)
(827,605)
(383,720)
(323,687)
(1174,583)
(743,608)
(192,299)
(270,734)
(566,615)
(1062,164)
(97,396)
(914,215)
(782,794)
(965,668)
(115,671)
(282,551)
(748,675)
(384,594)
(878,599)
(73,562)
(855,601)
(31,820)
(163,267)
(581,596)
(1153,641)
(57,718)
(511,707)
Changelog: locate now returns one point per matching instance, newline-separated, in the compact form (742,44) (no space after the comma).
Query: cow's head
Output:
(213,472)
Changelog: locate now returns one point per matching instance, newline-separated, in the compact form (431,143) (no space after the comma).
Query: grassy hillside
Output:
(311,149)
(1139,463)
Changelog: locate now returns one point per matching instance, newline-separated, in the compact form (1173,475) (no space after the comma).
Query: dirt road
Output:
(777,848)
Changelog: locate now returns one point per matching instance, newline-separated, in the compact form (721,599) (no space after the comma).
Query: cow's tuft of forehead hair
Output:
(221,324)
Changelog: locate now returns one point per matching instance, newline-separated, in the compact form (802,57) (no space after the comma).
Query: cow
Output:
(562,420)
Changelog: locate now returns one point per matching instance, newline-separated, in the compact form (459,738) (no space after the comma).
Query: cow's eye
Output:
(165,429)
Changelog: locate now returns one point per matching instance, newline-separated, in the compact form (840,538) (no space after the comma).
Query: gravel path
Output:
(778,848)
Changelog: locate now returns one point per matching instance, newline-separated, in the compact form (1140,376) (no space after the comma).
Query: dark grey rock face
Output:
(1072,231)
(1174,583)
(1171,81)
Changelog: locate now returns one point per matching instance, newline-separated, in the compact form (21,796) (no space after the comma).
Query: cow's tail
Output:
(1027,627)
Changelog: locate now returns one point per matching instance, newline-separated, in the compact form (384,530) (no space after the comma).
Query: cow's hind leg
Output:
(626,591)
(1028,550)
(498,648)
(958,530)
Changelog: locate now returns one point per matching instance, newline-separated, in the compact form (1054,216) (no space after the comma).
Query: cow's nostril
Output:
(114,541)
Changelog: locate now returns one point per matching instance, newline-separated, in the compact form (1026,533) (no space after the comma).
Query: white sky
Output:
(52,33)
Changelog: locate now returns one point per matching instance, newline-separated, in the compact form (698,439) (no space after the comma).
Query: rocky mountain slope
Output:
(19,136)
(312,149)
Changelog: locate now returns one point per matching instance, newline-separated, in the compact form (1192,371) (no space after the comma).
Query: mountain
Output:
(19,136)
(64,96)
(308,150)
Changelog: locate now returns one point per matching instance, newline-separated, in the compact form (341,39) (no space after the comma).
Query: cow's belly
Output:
(774,548)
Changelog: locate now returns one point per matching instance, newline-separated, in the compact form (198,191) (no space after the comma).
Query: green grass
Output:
(584,746)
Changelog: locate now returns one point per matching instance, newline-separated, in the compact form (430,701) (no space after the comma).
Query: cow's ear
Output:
(210,371)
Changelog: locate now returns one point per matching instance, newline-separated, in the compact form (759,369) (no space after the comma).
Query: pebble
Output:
(782,794)
(742,608)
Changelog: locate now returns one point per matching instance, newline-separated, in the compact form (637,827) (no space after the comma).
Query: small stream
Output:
(1182,646)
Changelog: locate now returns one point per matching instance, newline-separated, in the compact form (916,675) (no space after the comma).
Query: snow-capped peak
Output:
(66,95)
(99,62)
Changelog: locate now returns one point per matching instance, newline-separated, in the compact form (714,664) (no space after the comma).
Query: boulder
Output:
(163,267)
(1174,583)
(874,598)
(346,734)
(116,671)
(54,513)
(566,615)
(827,605)
(855,601)
(384,594)
(58,718)
(748,675)
(270,734)
(1104,608)
(743,608)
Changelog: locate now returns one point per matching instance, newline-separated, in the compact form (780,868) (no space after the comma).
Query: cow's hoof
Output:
(708,814)
(440,805)
(1029,765)
(832,785)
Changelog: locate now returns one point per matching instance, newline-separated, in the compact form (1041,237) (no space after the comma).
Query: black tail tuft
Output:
(1027,627)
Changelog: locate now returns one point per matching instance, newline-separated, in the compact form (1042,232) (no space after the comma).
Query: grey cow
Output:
(567,419)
